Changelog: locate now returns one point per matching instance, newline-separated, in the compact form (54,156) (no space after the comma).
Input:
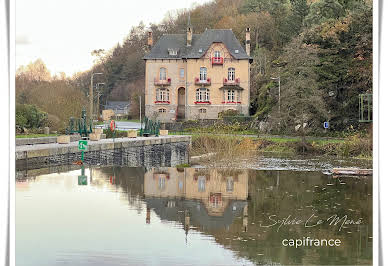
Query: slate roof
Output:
(199,42)
(120,107)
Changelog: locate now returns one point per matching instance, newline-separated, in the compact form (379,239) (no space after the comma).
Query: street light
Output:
(91,94)
(278,79)
(98,98)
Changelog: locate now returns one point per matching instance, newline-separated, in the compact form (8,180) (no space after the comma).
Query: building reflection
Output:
(209,198)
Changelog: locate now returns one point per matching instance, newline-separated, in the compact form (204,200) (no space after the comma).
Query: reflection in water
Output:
(192,217)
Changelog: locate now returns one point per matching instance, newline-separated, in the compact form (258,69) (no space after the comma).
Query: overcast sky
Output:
(64,32)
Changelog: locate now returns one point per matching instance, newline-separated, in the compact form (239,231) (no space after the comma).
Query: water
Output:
(187,216)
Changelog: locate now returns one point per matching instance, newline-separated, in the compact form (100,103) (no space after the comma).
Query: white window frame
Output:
(231,74)
(201,184)
(217,54)
(162,95)
(203,74)
(231,96)
(164,110)
(162,73)
(161,183)
(229,184)
(202,95)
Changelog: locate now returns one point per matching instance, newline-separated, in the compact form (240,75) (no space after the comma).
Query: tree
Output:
(302,106)
(324,10)
(34,71)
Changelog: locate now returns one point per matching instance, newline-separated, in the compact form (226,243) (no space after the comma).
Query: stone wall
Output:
(148,152)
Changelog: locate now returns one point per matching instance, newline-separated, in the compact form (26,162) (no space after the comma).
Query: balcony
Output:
(166,82)
(206,82)
(217,60)
(231,82)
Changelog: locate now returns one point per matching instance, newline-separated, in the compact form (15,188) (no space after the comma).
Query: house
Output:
(197,76)
(120,108)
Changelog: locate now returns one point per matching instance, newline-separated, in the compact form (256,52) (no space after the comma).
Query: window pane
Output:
(182,73)
(202,73)
(163,74)
(231,73)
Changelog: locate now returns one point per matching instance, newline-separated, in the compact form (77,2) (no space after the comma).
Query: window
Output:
(231,74)
(182,73)
(229,184)
(201,183)
(173,51)
(162,95)
(162,110)
(215,200)
(202,74)
(162,183)
(202,111)
(163,74)
(231,96)
(202,95)
(217,54)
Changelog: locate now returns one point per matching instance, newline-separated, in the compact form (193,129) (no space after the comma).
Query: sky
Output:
(64,32)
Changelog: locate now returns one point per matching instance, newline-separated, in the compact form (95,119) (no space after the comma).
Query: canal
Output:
(118,215)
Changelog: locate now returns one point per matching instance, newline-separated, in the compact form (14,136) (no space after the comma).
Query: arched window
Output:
(203,74)
(162,73)
(162,95)
(202,95)
(231,74)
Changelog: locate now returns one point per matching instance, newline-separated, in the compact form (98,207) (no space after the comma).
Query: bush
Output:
(119,134)
(229,112)
(29,116)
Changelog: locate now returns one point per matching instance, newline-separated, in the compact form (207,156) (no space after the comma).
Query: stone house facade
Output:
(197,76)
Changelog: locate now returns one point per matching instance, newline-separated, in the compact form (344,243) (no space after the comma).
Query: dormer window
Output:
(172,51)
(236,51)
(200,50)
(217,59)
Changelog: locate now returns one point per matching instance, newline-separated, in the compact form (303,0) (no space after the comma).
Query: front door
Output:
(181,103)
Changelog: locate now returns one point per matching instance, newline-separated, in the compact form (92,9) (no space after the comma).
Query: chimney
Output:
(248,41)
(189,34)
(150,40)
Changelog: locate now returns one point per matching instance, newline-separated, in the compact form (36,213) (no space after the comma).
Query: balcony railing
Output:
(165,82)
(231,82)
(217,60)
(162,102)
(205,82)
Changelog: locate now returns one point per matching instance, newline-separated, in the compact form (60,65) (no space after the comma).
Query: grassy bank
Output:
(242,146)
(35,135)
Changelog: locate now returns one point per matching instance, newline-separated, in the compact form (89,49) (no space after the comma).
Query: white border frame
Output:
(376,128)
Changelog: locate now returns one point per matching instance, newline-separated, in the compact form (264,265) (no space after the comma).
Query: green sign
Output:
(82,144)
(82,180)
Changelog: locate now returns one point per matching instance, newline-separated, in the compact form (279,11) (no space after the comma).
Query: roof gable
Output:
(199,47)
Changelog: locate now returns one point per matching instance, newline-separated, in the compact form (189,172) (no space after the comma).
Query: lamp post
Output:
(278,79)
(91,94)
(98,99)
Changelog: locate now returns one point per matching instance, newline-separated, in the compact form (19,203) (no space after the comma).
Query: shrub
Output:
(29,116)
(119,134)
(229,112)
